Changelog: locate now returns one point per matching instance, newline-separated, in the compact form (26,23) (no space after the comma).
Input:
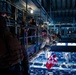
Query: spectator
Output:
(59,36)
(11,53)
(32,22)
(25,62)
(2,20)
(32,30)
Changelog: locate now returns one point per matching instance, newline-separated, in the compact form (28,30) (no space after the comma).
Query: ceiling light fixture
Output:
(31,11)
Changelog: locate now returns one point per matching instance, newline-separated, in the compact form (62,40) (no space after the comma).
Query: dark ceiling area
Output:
(63,11)
(58,11)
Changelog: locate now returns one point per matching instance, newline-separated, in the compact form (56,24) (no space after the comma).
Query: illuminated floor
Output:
(63,67)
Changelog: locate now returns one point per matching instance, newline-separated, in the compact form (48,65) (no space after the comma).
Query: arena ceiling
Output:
(58,11)
(63,11)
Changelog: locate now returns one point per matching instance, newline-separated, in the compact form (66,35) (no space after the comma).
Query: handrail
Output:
(30,36)
(31,27)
